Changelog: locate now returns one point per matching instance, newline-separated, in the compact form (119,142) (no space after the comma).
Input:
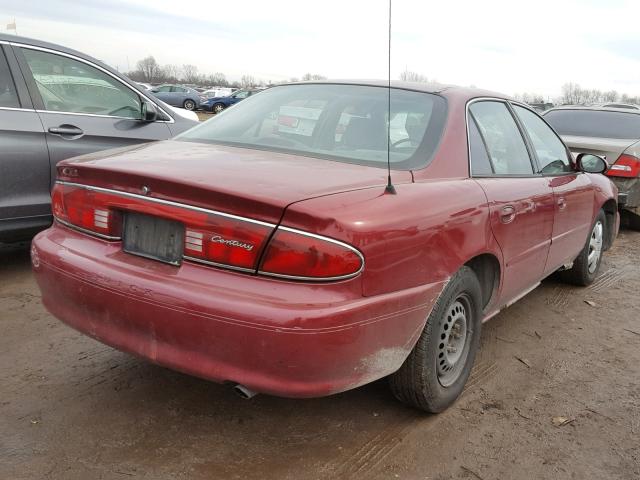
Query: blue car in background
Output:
(178,96)
(218,104)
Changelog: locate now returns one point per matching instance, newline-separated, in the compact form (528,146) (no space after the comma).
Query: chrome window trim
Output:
(87,62)
(84,230)
(230,216)
(93,115)
(167,202)
(506,103)
(18,109)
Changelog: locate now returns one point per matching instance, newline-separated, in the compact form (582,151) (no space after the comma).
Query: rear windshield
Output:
(346,123)
(595,123)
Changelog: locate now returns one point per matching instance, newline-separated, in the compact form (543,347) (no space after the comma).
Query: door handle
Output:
(67,130)
(507,214)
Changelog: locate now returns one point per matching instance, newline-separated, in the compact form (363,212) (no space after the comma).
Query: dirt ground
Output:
(71,408)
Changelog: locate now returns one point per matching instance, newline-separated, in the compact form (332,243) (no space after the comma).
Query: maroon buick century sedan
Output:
(262,249)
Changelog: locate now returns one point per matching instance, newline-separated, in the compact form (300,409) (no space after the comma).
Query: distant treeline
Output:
(573,94)
(148,70)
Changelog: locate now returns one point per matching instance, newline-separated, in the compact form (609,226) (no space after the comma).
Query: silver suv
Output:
(57,103)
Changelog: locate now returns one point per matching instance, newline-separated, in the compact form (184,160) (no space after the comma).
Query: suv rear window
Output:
(595,123)
(346,123)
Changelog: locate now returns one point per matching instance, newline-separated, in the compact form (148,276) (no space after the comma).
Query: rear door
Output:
(24,159)
(521,202)
(573,191)
(83,107)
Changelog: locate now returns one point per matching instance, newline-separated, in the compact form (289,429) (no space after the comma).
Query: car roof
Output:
(436,88)
(595,108)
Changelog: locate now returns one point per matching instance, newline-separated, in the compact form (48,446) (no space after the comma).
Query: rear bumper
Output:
(283,338)
(628,192)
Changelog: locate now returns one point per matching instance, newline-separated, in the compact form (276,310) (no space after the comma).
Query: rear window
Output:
(346,123)
(594,123)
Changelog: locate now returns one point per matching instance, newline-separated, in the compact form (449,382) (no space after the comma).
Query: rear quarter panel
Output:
(422,235)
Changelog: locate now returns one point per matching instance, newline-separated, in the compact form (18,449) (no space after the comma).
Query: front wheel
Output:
(189,105)
(587,265)
(218,107)
(435,372)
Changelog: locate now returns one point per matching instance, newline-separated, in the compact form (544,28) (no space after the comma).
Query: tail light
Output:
(224,241)
(299,255)
(626,166)
(213,238)
(86,209)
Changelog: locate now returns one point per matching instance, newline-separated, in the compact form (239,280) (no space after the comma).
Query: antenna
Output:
(389,188)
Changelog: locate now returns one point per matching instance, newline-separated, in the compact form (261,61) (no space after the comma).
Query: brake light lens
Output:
(626,166)
(225,241)
(85,209)
(294,254)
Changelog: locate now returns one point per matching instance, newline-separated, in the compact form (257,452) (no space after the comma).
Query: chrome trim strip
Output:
(316,279)
(81,114)
(18,109)
(221,265)
(167,202)
(225,215)
(84,230)
(102,69)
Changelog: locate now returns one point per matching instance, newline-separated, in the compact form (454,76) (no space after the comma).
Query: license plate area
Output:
(153,237)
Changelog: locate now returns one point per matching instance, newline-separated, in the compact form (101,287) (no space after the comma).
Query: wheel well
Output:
(610,208)
(487,269)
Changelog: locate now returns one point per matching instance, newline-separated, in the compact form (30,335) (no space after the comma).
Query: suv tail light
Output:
(87,210)
(299,255)
(626,166)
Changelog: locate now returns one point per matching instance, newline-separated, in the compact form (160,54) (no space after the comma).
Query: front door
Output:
(573,191)
(24,159)
(84,109)
(521,203)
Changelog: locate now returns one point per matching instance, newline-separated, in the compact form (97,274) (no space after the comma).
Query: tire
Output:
(189,105)
(218,107)
(432,378)
(587,265)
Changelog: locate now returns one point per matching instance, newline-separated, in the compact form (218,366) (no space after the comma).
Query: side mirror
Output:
(149,112)
(589,163)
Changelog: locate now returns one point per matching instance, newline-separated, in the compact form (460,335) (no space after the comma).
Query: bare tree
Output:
(171,73)
(247,81)
(409,76)
(312,76)
(218,79)
(610,96)
(149,70)
(190,74)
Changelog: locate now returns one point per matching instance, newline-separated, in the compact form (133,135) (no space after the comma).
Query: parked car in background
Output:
(613,133)
(178,96)
(217,92)
(144,86)
(218,104)
(57,103)
(267,250)
(629,106)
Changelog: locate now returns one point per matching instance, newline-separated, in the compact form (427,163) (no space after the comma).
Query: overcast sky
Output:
(495,44)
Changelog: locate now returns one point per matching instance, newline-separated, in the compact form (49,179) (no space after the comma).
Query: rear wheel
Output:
(586,267)
(434,374)
(218,107)
(189,105)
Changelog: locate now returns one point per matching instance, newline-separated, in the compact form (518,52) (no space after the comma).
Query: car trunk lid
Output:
(251,183)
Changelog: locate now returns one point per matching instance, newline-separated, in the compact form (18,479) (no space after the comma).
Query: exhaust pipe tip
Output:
(244,392)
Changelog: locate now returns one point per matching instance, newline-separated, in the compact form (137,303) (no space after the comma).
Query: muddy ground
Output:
(71,408)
